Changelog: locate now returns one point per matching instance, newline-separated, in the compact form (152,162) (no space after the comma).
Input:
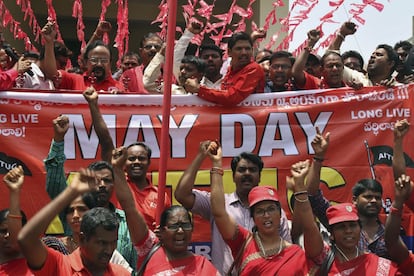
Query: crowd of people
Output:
(108,210)
(223,77)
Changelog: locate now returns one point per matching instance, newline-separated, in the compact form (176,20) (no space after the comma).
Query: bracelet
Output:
(14,216)
(300,200)
(340,35)
(395,211)
(319,159)
(217,170)
(300,193)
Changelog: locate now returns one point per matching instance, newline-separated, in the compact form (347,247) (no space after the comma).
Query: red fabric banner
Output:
(277,126)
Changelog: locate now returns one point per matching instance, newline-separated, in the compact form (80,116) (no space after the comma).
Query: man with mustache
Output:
(280,72)
(184,67)
(102,191)
(246,168)
(150,45)
(243,77)
(97,60)
(381,65)
(332,67)
(137,165)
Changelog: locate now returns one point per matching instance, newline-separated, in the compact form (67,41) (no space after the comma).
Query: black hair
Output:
(199,63)
(367,184)
(31,54)
(314,58)
(392,55)
(254,158)
(92,46)
(353,54)
(147,36)
(239,36)
(87,198)
(5,212)
(211,46)
(59,49)
(167,212)
(406,45)
(270,52)
(96,217)
(282,54)
(100,165)
(328,53)
(130,54)
(147,149)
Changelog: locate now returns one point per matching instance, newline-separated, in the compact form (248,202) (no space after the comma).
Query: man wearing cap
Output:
(366,197)
(246,169)
(345,256)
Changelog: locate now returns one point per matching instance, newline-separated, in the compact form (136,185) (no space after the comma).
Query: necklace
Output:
(343,254)
(73,243)
(267,254)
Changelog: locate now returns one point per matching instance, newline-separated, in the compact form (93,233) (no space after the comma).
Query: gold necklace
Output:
(267,254)
(343,254)
(73,243)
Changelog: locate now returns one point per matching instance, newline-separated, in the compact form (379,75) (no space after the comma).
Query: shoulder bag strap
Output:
(327,263)
(141,269)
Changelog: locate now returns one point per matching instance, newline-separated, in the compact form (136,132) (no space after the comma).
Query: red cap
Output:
(341,212)
(261,193)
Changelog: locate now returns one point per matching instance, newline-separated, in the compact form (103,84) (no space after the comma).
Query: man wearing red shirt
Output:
(97,58)
(243,77)
(144,192)
(7,77)
(98,237)
(139,159)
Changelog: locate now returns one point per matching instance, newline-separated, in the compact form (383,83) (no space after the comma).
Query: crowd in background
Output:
(109,209)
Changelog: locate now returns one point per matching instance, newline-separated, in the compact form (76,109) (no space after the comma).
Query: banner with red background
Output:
(277,126)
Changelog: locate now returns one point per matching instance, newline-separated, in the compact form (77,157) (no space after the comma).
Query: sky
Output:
(393,24)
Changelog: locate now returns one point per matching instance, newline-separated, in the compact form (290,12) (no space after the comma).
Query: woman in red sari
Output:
(172,256)
(347,259)
(263,251)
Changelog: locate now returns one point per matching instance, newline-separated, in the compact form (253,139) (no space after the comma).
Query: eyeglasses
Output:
(186,226)
(149,46)
(271,210)
(96,60)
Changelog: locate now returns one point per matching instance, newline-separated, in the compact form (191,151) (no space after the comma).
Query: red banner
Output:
(277,126)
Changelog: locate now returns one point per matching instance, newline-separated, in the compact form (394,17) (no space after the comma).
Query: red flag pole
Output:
(165,126)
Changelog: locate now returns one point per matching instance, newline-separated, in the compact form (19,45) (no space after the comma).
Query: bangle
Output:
(300,193)
(340,35)
(216,170)
(395,211)
(319,159)
(14,216)
(300,200)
